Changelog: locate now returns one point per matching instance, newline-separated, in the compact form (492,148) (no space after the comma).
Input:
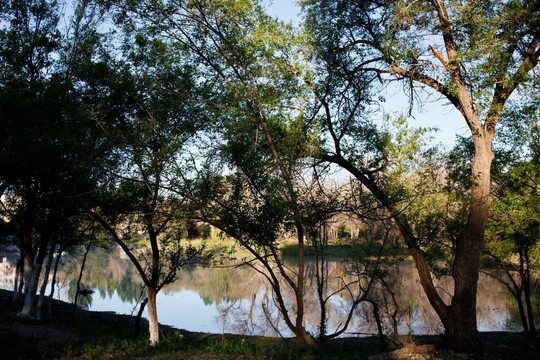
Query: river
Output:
(230,299)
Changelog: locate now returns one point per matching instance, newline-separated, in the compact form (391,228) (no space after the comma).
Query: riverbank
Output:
(106,335)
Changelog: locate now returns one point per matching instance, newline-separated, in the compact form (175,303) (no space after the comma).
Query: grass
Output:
(176,345)
(333,250)
(95,336)
(337,249)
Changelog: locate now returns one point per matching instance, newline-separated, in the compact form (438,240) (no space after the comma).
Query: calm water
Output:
(229,299)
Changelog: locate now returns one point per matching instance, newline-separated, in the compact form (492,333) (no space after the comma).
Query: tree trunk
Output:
(384,346)
(21,282)
(28,259)
(152,286)
(461,327)
(17,286)
(153,326)
(79,282)
(45,282)
(30,295)
(53,282)
(308,339)
(461,333)
(321,290)
(522,316)
(138,317)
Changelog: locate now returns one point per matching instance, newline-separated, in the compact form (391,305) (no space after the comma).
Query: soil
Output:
(59,330)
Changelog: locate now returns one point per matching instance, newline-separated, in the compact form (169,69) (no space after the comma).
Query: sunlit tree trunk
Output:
(461,326)
(153,326)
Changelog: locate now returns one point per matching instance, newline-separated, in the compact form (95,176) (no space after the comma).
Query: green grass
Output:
(333,250)
(178,346)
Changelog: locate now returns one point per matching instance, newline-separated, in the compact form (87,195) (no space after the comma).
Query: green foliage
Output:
(52,152)
(516,211)
(515,205)
(489,45)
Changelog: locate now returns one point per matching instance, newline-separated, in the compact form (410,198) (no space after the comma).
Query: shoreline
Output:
(60,337)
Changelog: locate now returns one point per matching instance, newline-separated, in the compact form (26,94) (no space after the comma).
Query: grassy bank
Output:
(103,335)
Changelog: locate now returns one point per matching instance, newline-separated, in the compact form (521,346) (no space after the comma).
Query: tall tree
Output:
(253,99)
(151,130)
(474,54)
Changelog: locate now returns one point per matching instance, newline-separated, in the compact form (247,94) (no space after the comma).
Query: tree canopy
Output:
(150,113)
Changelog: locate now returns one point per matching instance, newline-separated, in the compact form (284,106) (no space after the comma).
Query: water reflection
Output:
(238,300)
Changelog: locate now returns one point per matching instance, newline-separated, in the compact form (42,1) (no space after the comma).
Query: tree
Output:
(472,54)
(47,143)
(151,131)
(258,136)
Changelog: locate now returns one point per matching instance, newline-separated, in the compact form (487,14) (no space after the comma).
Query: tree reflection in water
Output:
(108,274)
(243,303)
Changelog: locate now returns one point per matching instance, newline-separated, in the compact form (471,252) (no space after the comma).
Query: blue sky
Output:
(286,10)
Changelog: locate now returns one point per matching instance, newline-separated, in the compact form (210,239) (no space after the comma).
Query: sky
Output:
(429,113)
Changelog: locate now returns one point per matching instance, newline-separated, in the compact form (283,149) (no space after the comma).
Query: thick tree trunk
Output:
(461,327)
(29,296)
(461,332)
(30,300)
(308,339)
(153,326)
